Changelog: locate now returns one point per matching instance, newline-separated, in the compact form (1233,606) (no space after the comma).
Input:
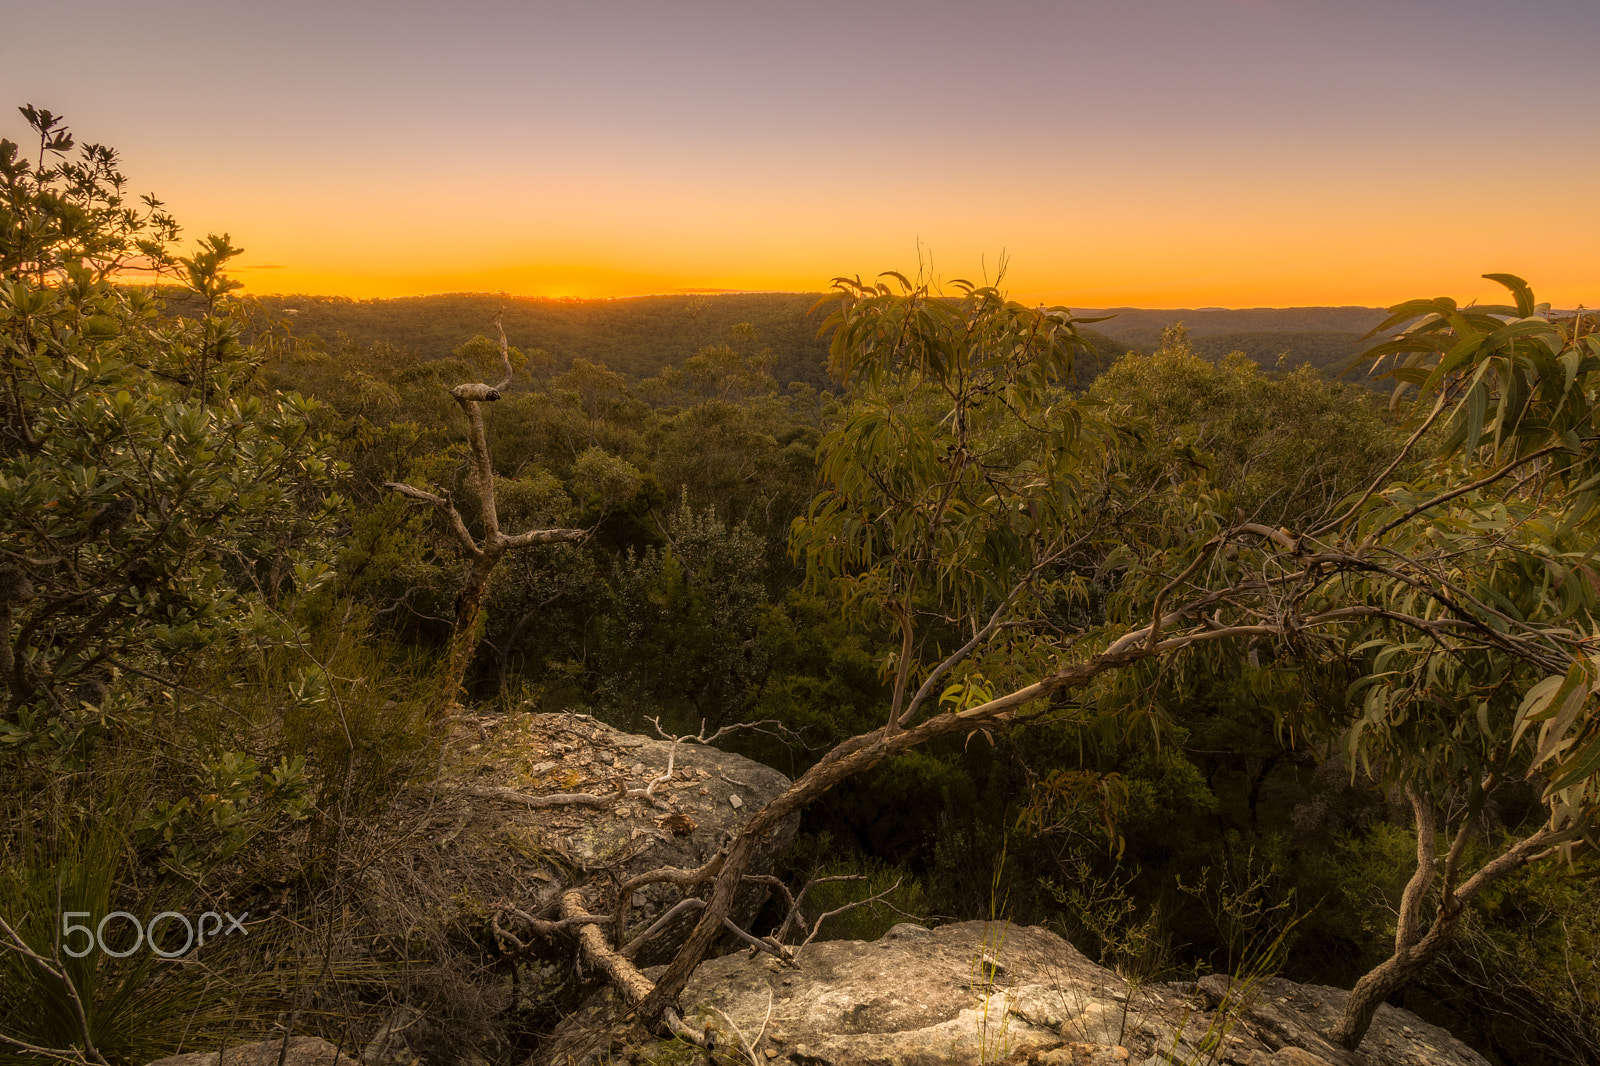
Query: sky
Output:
(1155,153)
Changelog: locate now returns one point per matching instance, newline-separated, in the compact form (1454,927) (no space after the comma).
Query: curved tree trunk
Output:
(1389,977)
(1414,950)
(849,758)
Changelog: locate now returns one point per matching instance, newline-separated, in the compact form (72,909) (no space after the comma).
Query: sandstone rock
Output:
(1293,1056)
(1292,1015)
(920,997)
(490,843)
(1076,1055)
(303,1051)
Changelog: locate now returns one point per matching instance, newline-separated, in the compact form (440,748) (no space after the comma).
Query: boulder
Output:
(989,992)
(497,833)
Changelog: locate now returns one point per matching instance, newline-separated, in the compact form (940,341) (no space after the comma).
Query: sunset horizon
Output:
(1157,153)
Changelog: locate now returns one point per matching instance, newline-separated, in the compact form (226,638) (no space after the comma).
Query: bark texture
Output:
(1415,948)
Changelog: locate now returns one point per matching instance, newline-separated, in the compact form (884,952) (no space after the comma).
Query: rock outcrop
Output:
(549,801)
(990,992)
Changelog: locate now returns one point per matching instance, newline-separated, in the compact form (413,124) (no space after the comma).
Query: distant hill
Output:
(636,337)
(1142,326)
(639,337)
(1329,351)
(1328,338)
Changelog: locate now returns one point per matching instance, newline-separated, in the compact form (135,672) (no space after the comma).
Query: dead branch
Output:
(56,972)
(793,915)
(692,903)
(769,726)
(599,955)
(505,350)
(543,927)
(749,1047)
(688,903)
(671,875)
(511,795)
(881,897)
(633,986)
(767,945)
(487,554)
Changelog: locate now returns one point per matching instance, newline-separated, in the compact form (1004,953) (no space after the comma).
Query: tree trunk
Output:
(1413,953)
(464,638)
(1389,977)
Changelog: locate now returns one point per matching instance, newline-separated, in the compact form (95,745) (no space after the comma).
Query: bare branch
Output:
(1176,583)
(542,536)
(1405,450)
(1282,538)
(1405,930)
(689,903)
(624,976)
(1445,497)
(776,950)
(505,350)
(1523,851)
(926,688)
(58,973)
(459,527)
(541,926)
(671,875)
(881,897)
(482,467)
(511,795)
(417,494)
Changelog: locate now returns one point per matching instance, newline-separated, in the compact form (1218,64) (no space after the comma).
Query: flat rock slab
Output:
(991,992)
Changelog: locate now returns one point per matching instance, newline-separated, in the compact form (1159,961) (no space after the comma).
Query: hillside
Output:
(636,337)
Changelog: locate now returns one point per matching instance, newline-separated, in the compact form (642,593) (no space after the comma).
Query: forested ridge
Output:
(1206,660)
(639,337)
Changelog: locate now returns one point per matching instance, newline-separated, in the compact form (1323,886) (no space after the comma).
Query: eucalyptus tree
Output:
(1024,545)
(1476,600)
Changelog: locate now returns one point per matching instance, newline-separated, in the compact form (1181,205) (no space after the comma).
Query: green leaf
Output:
(1477,401)
(1524,294)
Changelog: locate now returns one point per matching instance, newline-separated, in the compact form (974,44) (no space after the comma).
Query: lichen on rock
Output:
(980,993)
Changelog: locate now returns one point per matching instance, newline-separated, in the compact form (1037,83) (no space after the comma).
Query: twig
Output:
(777,951)
(58,972)
(543,927)
(747,1046)
(511,795)
(690,903)
(881,897)
(671,875)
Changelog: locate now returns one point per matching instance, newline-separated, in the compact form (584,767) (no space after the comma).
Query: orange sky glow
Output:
(1157,153)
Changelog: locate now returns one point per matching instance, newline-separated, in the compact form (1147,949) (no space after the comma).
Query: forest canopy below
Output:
(1212,664)
(640,336)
